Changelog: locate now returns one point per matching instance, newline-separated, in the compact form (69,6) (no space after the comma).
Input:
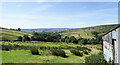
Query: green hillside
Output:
(87,32)
(7,34)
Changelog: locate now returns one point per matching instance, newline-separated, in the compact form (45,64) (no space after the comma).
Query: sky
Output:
(58,14)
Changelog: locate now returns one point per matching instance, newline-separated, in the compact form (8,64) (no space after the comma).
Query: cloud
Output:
(81,19)
(99,12)
(39,9)
(71,20)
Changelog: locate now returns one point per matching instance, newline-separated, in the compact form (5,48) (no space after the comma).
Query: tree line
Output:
(56,37)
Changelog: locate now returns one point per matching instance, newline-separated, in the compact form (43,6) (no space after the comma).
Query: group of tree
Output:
(47,37)
(72,39)
(24,38)
(56,37)
(16,29)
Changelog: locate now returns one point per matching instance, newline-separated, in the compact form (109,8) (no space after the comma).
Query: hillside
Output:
(88,31)
(7,34)
(45,29)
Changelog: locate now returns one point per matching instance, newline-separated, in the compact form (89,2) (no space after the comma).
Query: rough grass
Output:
(12,34)
(25,56)
(87,32)
(22,56)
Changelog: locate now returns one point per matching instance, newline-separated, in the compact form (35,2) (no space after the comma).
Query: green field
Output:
(87,32)
(8,34)
(12,34)
(25,56)
(20,52)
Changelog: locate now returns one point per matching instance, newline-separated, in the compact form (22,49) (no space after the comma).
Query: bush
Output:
(19,38)
(48,48)
(34,51)
(66,47)
(95,58)
(58,52)
(82,48)
(76,52)
(6,47)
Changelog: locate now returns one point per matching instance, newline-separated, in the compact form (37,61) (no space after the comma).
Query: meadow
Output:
(40,49)
(25,56)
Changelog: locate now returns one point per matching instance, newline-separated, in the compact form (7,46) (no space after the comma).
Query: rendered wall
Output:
(119,46)
(107,45)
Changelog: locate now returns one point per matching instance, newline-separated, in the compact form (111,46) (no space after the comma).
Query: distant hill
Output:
(46,29)
(87,31)
(7,34)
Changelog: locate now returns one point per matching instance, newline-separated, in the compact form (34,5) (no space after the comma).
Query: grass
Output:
(87,32)
(25,56)
(49,44)
(64,33)
(12,34)
(22,56)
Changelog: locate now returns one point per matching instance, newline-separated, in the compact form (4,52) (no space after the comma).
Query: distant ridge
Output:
(46,29)
(8,34)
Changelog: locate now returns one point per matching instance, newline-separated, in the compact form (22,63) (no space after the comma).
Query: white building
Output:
(111,45)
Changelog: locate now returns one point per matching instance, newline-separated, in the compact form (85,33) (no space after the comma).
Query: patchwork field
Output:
(87,32)
(7,34)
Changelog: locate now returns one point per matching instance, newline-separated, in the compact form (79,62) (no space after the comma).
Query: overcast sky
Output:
(58,14)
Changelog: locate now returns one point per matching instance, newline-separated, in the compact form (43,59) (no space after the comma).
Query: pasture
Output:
(25,56)
(8,34)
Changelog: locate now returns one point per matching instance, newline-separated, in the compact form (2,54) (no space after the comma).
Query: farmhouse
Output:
(111,45)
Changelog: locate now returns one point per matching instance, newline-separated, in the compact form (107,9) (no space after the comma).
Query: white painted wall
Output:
(107,54)
(118,46)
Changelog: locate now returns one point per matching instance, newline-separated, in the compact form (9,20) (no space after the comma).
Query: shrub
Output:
(6,47)
(59,52)
(76,52)
(82,48)
(34,51)
(95,58)
(65,47)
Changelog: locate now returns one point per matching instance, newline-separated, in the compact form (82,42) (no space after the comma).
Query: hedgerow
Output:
(76,52)
(34,51)
(58,52)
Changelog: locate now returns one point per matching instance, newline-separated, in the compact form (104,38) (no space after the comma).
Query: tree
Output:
(32,38)
(35,34)
(82,41)
(26,38)
(19,29)
(95,33)
(73,39)
(62,40)
(19,38)
(67,39)
(79,35)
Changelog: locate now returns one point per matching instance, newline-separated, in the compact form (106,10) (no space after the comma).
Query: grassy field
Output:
(87,32)
(8,34)
(18,53)
(11,34)
(25,56)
